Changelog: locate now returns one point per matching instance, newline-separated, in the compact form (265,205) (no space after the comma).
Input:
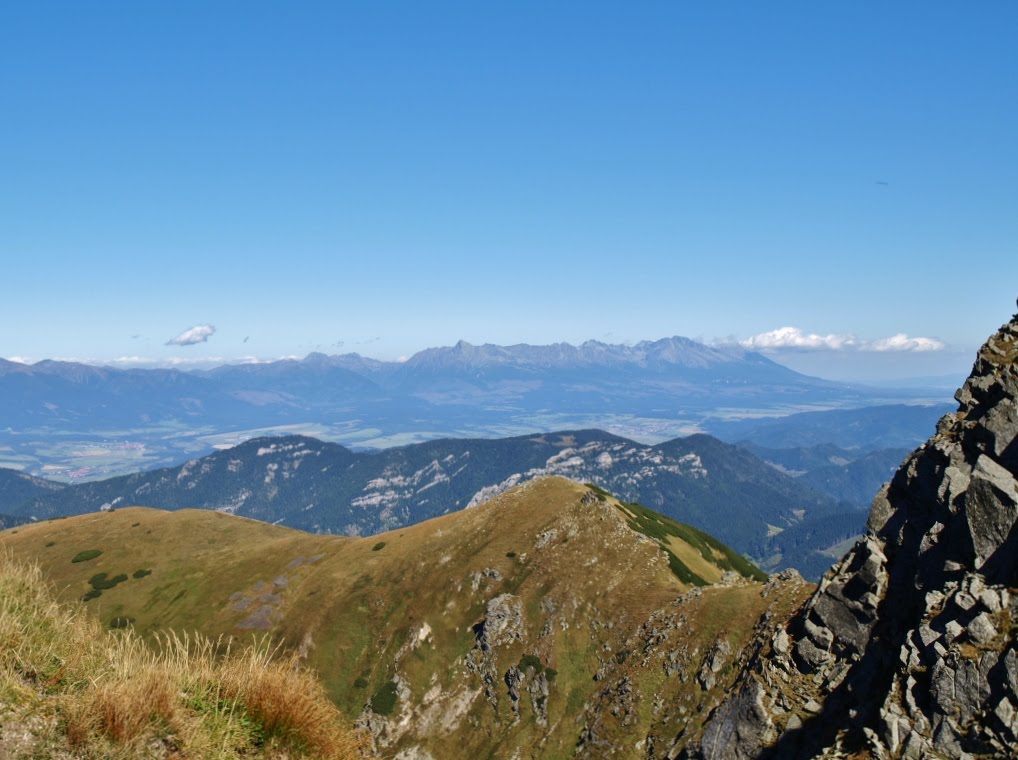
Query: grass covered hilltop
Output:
(549,619)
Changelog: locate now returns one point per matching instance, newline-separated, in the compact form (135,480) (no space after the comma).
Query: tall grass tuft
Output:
(67,685)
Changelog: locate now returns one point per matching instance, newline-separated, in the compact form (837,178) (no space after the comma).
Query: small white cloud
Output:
(197,334)
(185,361)
(795,339)
(901,342)
(148,362)
(131,360)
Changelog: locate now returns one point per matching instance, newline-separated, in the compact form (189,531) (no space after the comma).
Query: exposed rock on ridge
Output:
(907,648)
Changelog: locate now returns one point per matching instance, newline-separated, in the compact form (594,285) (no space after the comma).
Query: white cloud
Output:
(901,342)
(197,334)
(794,338)
(185,361)
(182,362)
(130,360)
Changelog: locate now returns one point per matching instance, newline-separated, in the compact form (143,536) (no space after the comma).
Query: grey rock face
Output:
(739,727)
(503,622)
(906,649)
(538,688)
(712,664)
(513,679)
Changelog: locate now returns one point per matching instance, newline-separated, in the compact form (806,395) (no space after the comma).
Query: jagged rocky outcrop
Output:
(907,648)
(502,624)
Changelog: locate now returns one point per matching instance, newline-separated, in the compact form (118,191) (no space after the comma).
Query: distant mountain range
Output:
(795,495)
(75,421)
(631,379)
(323,487)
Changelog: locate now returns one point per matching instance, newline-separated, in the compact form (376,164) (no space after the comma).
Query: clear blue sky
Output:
(380,177)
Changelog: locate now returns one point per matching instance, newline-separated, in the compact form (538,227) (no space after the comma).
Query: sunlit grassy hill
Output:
(549,617)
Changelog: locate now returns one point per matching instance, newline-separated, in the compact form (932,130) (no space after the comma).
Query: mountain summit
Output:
(907,648)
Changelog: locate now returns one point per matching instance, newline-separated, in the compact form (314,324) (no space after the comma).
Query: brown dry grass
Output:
(86,692)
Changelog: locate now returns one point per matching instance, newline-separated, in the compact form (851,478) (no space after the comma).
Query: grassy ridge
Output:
(659,527)
(67,685)
(390,622)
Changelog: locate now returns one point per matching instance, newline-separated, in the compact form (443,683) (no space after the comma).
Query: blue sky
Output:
(382,177)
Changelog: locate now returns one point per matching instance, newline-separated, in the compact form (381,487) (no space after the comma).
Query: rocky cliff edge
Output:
(907,648)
